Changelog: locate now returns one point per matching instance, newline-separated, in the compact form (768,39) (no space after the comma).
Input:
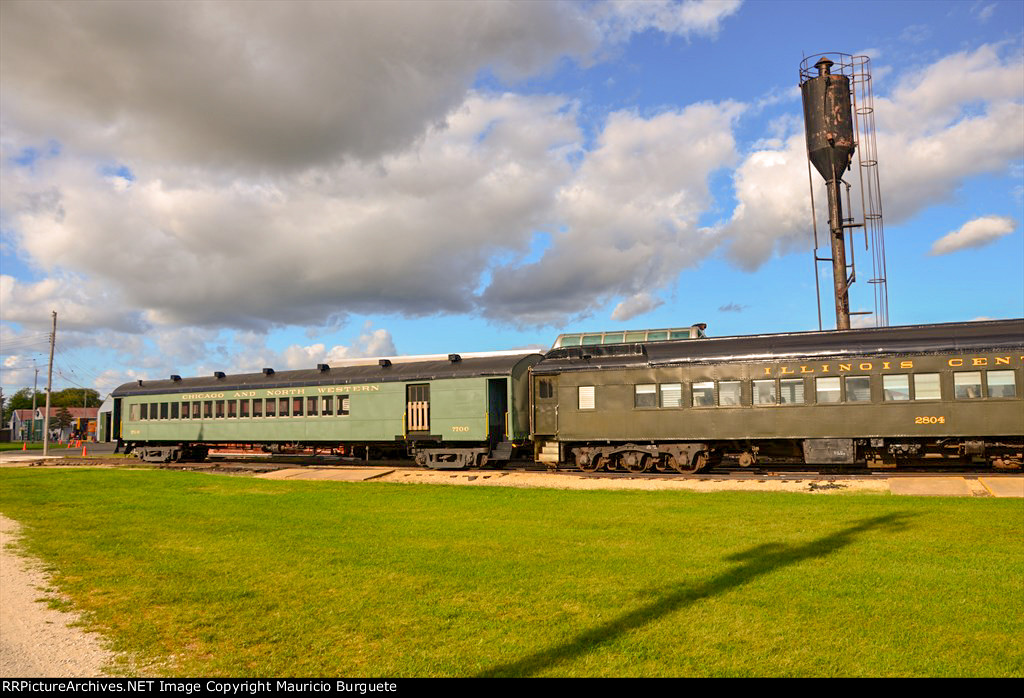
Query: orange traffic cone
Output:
(24,445)
(84,450)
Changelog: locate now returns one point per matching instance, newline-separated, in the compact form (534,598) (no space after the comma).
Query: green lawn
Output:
(18,445)
(210,575)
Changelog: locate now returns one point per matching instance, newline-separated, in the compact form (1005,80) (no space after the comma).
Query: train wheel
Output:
(593,465)
(636,462)
(699,461)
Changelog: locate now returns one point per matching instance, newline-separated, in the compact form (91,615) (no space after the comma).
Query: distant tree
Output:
(21,400)
(63,419)
(75,397)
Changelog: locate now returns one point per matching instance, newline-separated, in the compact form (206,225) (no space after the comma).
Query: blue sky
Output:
(211,186)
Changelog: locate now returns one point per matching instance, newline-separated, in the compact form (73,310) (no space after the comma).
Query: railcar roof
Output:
(472,367)
(907,339)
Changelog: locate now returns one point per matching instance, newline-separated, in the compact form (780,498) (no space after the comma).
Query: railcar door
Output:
(497,410)
(545,405)
(417,408)
(115,433)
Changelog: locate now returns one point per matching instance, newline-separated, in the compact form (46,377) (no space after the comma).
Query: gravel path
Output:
(37,641)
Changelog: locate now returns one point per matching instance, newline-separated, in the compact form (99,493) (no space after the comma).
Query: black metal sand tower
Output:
(839,122)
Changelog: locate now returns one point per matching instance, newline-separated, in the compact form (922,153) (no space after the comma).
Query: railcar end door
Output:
(417,408)
(545,405)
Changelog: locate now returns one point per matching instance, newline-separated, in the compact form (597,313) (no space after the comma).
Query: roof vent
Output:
(140,381)
(218,374)
(454,358)
(323,368)
(176,378)
(384,363)
(268,372)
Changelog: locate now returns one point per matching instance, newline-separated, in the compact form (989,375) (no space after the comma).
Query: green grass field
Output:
(209,575)
(18,445)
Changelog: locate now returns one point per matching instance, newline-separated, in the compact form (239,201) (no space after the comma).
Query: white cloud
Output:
(975,233)
(637,304)
(631,216)
(691,17)
(80,304)
(410,233)
(773,210)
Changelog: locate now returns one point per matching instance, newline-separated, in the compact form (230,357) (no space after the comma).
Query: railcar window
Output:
(704,394)
(243,408)
(636,336)
(586,399)
(545,389)
(613,338)
(657,336)
(328,405)
(729,393)
(927,386)
(219,413)
(144,411)
(895,387)
(185,410)
(590,340)
(827,389)
(165,410)
(152,410)
(791,391)
(672,395)
(764,392)
(257,407)
(233,409)
(643,396)
(195,410)
(343,405)
(858,388)
(571,341)
(311,407)
(967,385)
(174,410)
(271,406)
(133,413)
(1001,384)
(297,407)
(207,409)
(282,407)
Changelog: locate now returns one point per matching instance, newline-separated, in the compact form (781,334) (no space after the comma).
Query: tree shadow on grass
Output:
(753,563)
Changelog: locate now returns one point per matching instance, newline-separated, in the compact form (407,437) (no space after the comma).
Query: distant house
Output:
(28,427)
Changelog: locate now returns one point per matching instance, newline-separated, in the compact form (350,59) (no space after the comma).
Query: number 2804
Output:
(929,420)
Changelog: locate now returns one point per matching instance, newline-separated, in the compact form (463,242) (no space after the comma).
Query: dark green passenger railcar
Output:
(449,412)
(884,396)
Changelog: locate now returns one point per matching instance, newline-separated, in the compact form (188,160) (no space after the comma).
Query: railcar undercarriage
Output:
(694,457)
(431,455)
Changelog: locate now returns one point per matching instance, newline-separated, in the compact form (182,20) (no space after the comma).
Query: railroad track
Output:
(772,472)
(727,470)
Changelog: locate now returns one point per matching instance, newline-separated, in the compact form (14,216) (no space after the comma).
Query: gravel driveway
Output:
(37,641)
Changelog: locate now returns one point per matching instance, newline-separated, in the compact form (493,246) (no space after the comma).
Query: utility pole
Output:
(32,423)
(49,385)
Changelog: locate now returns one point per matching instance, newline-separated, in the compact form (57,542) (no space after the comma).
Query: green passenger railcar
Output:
(449,412)
(883,396)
